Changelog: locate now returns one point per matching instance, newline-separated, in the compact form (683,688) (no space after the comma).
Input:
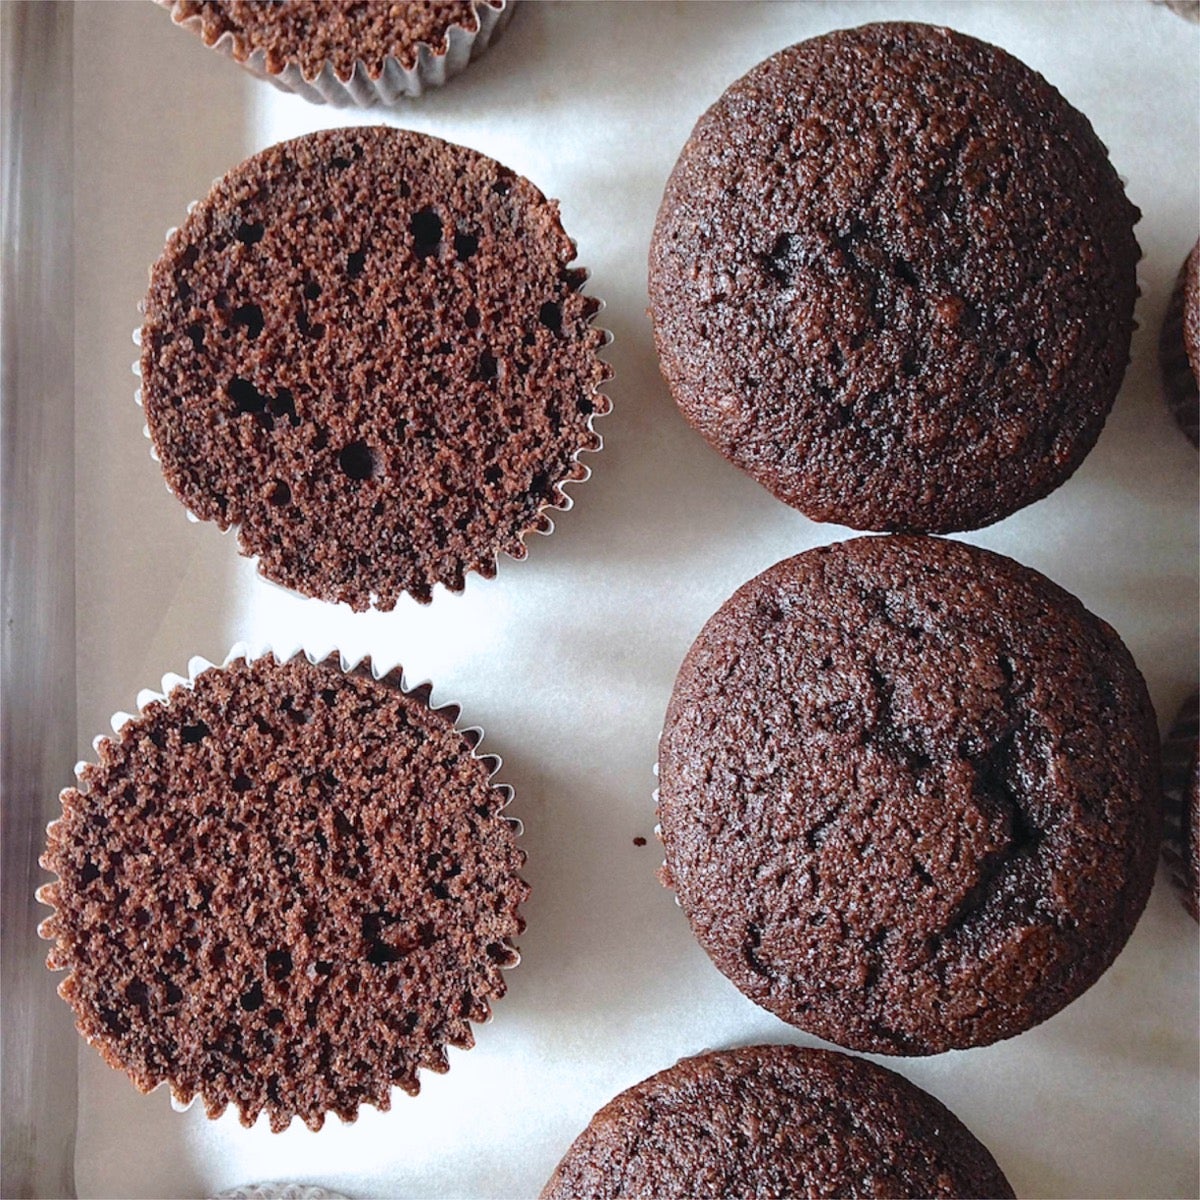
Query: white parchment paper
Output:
(567,659)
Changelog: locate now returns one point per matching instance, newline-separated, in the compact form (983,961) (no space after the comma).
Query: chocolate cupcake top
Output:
(1181,810)
(312,33)
(1179,348)
(909,794)
(893,279)
(775,1121)
(366,348)
(284,888)
(1191,309)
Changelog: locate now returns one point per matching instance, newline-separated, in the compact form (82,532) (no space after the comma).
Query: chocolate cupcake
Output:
(347,52)
(1179,348)
(1181,809)
(893,278)
(775,1121)
(285,887)
(909,794)
(366,348)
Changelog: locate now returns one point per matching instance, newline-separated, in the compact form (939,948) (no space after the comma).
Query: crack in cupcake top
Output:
(908,794)
(285,888)
(311,33)
(368,350)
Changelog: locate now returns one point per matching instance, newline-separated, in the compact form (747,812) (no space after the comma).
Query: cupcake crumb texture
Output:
(286,888)
(311,33)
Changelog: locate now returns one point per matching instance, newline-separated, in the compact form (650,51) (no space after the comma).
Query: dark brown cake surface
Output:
(1179,348)
(367,350)
(1181,809)
(893,278)
(311,33)
(909,794)
(778,1121)
(286,888)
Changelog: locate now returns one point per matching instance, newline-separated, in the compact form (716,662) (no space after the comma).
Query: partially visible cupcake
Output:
(347,52)
(368,349)
(279,1191)
(1179,348)
(775,1121)
(1181,793)
(285,886)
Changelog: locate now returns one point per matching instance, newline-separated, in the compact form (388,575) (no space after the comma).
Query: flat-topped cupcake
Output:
(893,278)
(367,349)
(775,1121)
(909,794)
(286,888)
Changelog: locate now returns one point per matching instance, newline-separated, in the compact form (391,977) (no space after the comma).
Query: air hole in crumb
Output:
(585,406)
(489,368)
(465,244)
(279,964)
(279,495)
(174,993)
(136,992)
(250,316)
(323,968)
(904,272)
(274,1018)
(312,290)
(328,696)
(191,734)
(357,461)
(493,474)
(471,318)
(550,315)
(503,185)
(307,328)
(196,333)
(283,405)
(440,891)
(401,428)
(246,396)
(380,954)
(427,232)
(250,232)
(242,783)
(498,952)
(252,1000)
(355,263)
(339,162)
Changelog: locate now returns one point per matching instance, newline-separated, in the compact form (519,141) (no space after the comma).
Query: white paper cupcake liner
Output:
(421,692)
(431,69)
(542,524)
(279,1191)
